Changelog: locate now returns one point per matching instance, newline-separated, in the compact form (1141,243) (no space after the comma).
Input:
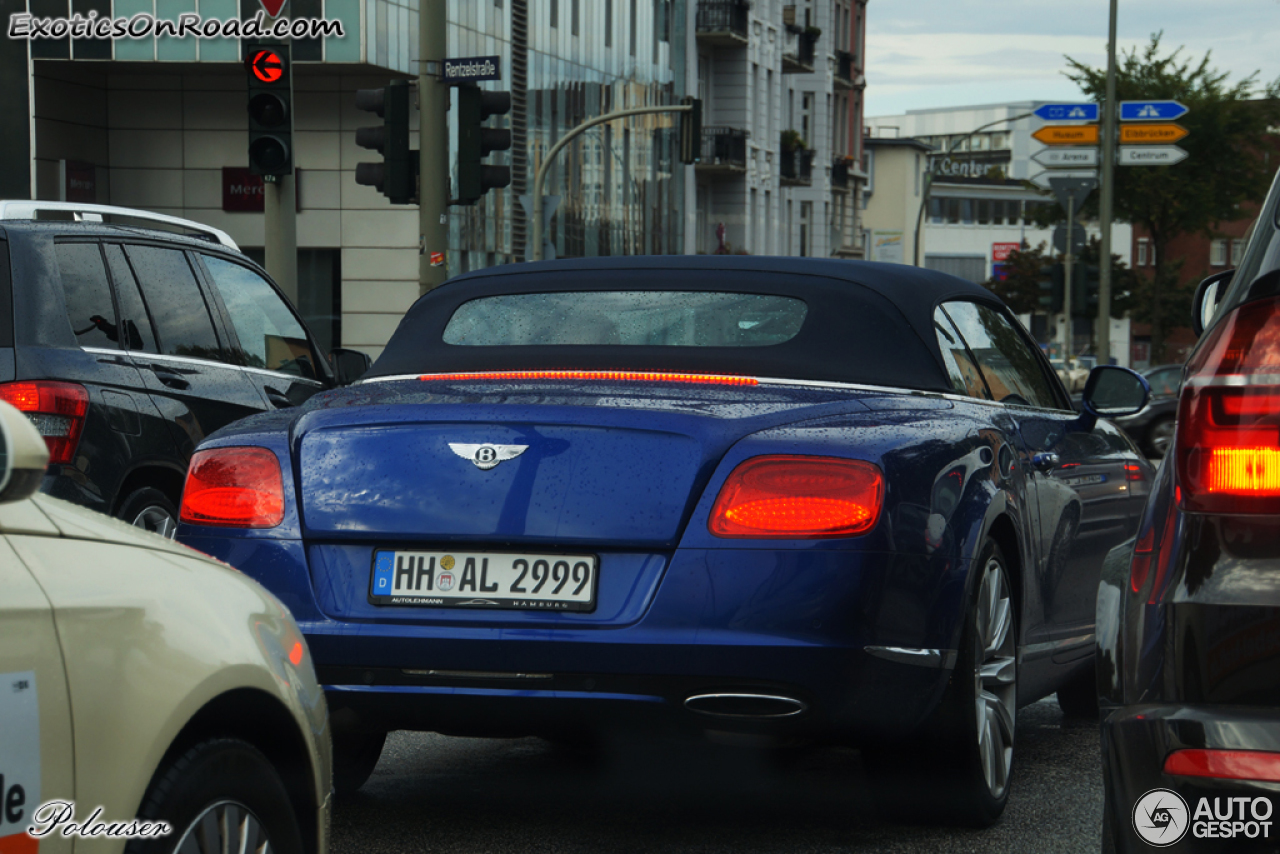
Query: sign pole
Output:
(1067,257)
(1106,197)
(280,233)
(433,171)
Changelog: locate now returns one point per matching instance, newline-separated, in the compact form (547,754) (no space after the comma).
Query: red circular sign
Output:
(266,65)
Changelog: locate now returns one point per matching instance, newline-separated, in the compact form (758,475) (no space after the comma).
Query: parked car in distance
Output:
(785,498)
(148,680)
(1152,428)
(1189,609)
(127,345)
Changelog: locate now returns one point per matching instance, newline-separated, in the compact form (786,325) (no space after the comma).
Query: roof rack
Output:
(94,213)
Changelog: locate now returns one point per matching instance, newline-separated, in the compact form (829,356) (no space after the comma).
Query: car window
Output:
(964,374)
(627,318)
(270,336)
(1165,382)
(88,295)
(138,333)
(177,306)
(1008,364)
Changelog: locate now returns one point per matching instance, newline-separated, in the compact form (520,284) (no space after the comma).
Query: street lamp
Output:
(928,177)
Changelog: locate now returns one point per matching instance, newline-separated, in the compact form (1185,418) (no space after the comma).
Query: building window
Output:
(608,23)
(1217,253)
(806,215)
(984,211)
(1237,252)
(631,32)
(555,13)
(1144,247)
(574,15)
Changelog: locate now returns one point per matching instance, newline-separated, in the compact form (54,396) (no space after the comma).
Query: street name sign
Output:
(1150,155)
(1068,112)
(1066,158)
(1153,134)
(1067,134)
(1042,179)
(468,68)
(1072,191)
(1151,111)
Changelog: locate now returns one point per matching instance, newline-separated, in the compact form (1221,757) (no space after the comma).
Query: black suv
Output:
(127,345)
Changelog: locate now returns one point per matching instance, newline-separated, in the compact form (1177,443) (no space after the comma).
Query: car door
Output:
(188,370)
(36,762)
(1076,478)
(277,352)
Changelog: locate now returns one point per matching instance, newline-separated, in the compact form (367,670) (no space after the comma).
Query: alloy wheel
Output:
(225,826)
(1161,437)
(156,519)
(996,688)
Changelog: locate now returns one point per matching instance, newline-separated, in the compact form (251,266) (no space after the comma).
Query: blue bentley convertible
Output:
(793,498)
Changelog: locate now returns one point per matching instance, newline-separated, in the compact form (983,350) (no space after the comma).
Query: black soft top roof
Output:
(867,322)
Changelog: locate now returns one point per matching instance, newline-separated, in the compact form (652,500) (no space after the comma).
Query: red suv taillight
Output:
(1228,439)
(785,496)
(57,410)
(233,488)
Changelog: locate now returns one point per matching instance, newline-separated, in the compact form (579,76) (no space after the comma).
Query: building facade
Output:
(781,85)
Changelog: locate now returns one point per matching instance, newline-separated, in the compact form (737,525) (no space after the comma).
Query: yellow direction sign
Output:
(1068,134)
(1151,133)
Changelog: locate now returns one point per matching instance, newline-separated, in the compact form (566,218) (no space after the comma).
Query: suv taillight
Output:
(57,409)
(233,488)
(785,496)
(1228,439)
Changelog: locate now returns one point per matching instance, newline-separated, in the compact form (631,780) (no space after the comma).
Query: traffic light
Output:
(1051,288)
(691,131)
(475,141)
(270,109)
(1084,290)
(396,177)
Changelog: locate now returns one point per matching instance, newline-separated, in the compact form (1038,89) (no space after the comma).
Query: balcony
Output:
(840,174)
(796,167)
(799,50)
(723,22)
(844,70)
(724,151)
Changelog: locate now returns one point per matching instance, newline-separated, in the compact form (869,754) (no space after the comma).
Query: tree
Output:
(1020,288)
(1226,166)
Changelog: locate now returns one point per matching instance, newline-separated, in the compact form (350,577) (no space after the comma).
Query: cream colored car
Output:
(145,679)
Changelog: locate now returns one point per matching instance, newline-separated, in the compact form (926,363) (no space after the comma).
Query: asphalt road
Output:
(438,794)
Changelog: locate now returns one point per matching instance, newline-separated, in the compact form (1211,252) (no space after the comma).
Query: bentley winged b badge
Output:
(486,456)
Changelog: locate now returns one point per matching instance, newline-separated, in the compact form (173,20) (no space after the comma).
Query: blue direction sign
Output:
(1150,111)
(1068,112)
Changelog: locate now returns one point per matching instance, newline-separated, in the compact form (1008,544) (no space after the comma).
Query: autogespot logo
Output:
(1160,817)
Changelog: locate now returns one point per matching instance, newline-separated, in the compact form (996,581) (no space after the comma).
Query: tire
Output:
(223,793)
(1159,437)
(355,755)
(961,766)
(150,509)
(1078,697)
(983,709)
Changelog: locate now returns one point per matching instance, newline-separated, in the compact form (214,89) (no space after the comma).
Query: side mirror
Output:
(1205,303)
(1112,392)
(349,365)
(23,457)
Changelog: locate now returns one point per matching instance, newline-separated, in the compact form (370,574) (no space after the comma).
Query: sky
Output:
(925,54)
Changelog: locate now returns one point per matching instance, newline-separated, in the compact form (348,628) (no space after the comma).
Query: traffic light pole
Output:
(433,135)
(1107,197)
(280,232)
(545,166)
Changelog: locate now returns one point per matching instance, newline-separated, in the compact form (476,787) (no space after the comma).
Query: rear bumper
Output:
(1135,743)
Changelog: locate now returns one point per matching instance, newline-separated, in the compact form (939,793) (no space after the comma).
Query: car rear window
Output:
(627,318)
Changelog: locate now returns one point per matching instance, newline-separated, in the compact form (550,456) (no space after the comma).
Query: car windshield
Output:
(627,318)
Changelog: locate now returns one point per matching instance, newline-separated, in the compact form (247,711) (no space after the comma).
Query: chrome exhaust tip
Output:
(755,706)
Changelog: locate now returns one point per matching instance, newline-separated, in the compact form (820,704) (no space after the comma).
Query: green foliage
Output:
(792,140)
(1021,288)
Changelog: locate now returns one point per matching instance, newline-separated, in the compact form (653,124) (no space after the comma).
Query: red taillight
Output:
(783,496)
(57,410)
(1132,471)
(1228,439)
(1224,764)
(233,488)
(607,376)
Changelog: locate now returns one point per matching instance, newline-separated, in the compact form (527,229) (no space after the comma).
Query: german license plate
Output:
(456,579)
